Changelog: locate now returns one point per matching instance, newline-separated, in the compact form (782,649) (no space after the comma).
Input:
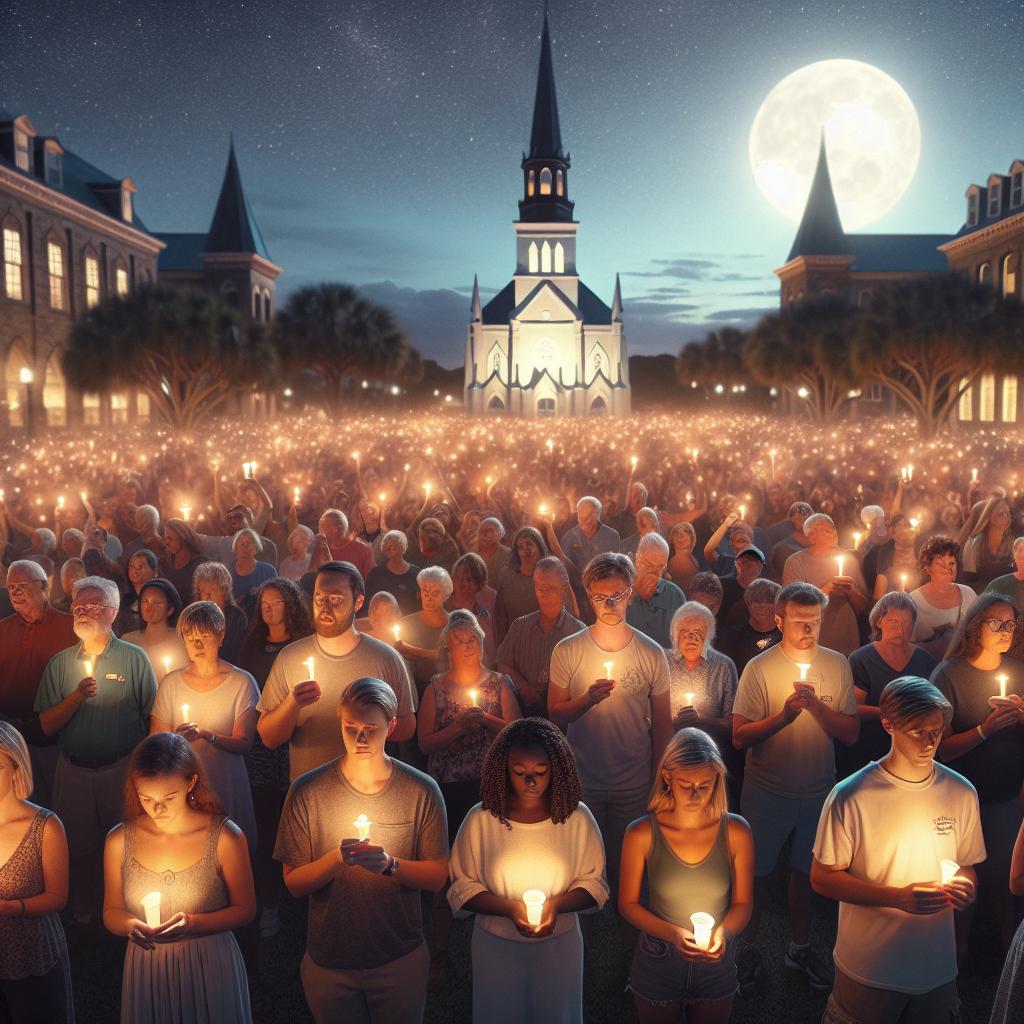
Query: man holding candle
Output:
(788,728)
(291,709)
(885,837)
(366,958)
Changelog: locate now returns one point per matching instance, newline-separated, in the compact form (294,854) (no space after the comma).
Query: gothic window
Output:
(1010,275)
(255,302)
(987,398)
(545,258)
(530,182)
(966,409)
(55,267)
(12,262)
(559,256)
(863,298)
(15,389)
(533,257)
(495,405)
(598,407)
(126,205)
(121,281)
(1009,399)
(545,181)
(560,182)
(546,407)
(496,363)
(92,281)
(985,273)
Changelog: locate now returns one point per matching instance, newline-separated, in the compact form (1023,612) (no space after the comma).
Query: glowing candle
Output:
(473,697)
(355,455)
(362,825)
(252,470)
(633,460)
(702,925)
(151,906)
(910,473)
(856,540)
(426,489)
(543,510)
(839,565)
(186,511)
(310,667)
(689,699)
(397,631)
(550,445)
(743,511)
(246,468)
(609,667)
(167,665)
(949,870)
(60,501)
(1002,685)
(88,667)
(974,476)
(295,495)
(804,669)
(772,455)
(903,581)
(915,523)
(184,714)
(534,900)
(381,497)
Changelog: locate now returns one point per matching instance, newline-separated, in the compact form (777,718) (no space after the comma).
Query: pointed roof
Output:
(821,231)
(475,310)
(234,228)
(546,135)
(617,301)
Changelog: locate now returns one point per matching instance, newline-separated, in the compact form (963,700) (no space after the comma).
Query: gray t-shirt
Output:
(362,920)
(317,736)
(799,760)
(612,740)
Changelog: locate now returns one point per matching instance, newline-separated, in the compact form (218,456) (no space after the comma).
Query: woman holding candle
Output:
(698,859)
(182,555)
(35,975)
(529,832)
(516,595)
(175,843)
(221,718)
(984,742)
(142,567)
(246,572)
(159,606)
(941,601)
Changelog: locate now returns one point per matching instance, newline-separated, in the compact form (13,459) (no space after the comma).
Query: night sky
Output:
(380,141)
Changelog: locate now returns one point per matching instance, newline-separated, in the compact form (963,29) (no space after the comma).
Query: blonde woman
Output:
(698,858)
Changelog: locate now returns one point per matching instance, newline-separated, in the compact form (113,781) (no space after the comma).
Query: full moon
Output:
(872,139)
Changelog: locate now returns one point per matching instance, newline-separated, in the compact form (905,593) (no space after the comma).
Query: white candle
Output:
(1002,685)
(743,511)
(310,667)
(167,665)
(426,488)
(362,825)
(974,476)
(184,714)
(609,668)
(689,699)
(949,870)
(60,501)
(87,664)
(856,540)
(804,669)
(910,473)
(903,581)
(772,455)
(397,631)
(245,469)
(151,906)
(534,900)
(472,698)
(633,461)
(702,925)
(295,495)
(839,565)
(186,511)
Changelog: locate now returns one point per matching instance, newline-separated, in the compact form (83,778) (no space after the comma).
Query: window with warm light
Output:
(966,408)
(91,410)
(126,205)
(118,407)
(12,263)
(92,281)
(533,258)
(987,398)
(121,281)
(1009,399)
(55,394)
(531,182)
(985,273)
(545,181)
(545,258)
(559,258)
(22,155)
(560,182)
(55,266)
(1010,275)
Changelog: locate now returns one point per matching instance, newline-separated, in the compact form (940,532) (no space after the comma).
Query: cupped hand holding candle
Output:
(362,826)
(151,907)
(534,900)
(702,925)
(949,869)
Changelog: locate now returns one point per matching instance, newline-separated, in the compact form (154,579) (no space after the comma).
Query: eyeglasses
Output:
(89,609)
(1001,625)
(15,589)
(333,602)
(693,634)
(611,599)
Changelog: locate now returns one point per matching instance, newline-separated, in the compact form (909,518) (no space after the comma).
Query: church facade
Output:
(546,345)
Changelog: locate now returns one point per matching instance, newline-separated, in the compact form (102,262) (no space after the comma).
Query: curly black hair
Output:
(565,790)
(297,620)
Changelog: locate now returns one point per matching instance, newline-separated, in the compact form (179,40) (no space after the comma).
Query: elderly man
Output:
(655,599)
(325,665)
(222,548)
(429,544)
(789,543)
(591,538)
(96,698)
(28,640)
(624,521)
(646,522)
(836,573)
(525,653)
(421,630)
(333,541)
(147,522)
(490,549)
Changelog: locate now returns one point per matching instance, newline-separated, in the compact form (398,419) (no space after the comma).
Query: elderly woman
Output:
(296,562)
(988,552)
(421,631)
(142,567)
(646,522)
(213,705)
(394,574)
(182,555)
(897,567)
(159,606)
(984,742)
(682,565)
(248,574)
(890,654)
(941,602)
(471,592)
(463,708)
(212,582)
(516,596)
(71,572)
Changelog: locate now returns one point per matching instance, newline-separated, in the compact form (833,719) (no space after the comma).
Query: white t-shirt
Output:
(800,760)
(488,857)
(890,832)
(612,740)
(839,629)
(934,627)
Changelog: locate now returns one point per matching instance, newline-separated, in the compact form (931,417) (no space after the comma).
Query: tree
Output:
(183,347)
(715,361)
(335,332)
(929,339)
(806,347)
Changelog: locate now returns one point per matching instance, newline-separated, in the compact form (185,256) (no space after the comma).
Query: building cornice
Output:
(801,264)
(246,259)
(555,227)
(36,192)
(988,234)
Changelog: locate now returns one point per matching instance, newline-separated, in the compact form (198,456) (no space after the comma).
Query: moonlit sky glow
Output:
(380,139)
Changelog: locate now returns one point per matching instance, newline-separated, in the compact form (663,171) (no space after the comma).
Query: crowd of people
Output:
(429,668)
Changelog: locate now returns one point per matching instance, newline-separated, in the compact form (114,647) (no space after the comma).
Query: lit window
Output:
(126,206)
(92,281)
(1009,399)
(91,410)
(12,263)
(559,257)
(142,405)
(994,191)
(1010,275)
(55,263)
(987,398)
(23,157)
(121,281)
(119,407)
(966,410)
(531,182)
(560,182)
(534,258)
(545,181)
(985,273)
(1017,189)
(545,258)
(55,394)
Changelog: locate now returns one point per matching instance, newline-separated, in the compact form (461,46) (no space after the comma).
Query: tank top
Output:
(679,889)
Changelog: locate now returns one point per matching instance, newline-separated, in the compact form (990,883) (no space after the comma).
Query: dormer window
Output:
(22,153)
(972,209)
(994,198)
(1017,189)
(126,205)
(54,169)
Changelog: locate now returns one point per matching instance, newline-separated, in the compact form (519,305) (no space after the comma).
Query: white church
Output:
(546,345)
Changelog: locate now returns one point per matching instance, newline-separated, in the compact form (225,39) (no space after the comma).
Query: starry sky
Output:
(379,141)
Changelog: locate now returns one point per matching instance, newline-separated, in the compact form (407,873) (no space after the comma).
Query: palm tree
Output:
(718,359)
(332,330)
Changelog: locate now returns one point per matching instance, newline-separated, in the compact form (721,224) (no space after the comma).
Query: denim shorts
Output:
(661,975)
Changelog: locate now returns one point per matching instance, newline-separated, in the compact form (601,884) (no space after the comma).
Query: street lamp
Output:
(25,376)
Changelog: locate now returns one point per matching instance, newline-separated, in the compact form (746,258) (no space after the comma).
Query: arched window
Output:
(546,407)
(1010,275)
(599,361)
(598,407)
(1009,399)
(863,298)
(256,302)
(229,293)
(13,387)
(559,256)
(966,408)
(545,181)
(91,410)
(987,398)
(55,393)
(985,273)
(12,261)
(55,269)
(560,182)
(266,304)
(533,257)
(121,282)
(92,280)
(531,182)
(545,258)
(496,362)
(495,405)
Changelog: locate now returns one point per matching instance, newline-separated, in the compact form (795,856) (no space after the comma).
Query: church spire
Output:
(821,231)
(617,302)
(476,313)
(234,228)
(546,136)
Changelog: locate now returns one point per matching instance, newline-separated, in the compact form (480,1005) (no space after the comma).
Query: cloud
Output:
(752,313)
(435,321)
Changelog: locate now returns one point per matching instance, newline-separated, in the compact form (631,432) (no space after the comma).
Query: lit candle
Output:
(246,467)
(543,510)
(689,699)
(151,906)
(743,511)
(60,501)
(609,667)
(184,714)
(381,497)
(252,470)
(910,473)
(856,540)
(186,511)
(310,667)
(88,667)
(804,669)
(702,925)
(839,565)
(903,581)
(550,445)
(1002,685)
(534,900)
(295,495)
(974,476)
(772,455)
(633,460)
(426,489)
(362,824)
(915,523)
(472,698)
(397,632)
(949,870)
(167,665)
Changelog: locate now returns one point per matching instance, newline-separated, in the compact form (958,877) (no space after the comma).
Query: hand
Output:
(403,648)
(961,892)
(189,730)
(363,855)
(795,703)
(87,687)
(306,693)
(1000,718)
(548,920)
(922,899)
(140,933)
(171,929)
(687,946)
(732,517)
(601,690)
(471,720)
(842,584)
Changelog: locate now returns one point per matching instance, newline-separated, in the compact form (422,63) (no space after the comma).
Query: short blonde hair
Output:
(12,743)
(690,748)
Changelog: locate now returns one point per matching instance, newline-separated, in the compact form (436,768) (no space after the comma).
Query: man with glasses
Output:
(591,537)
(96,698)
(291,708)
(29,638)
(655,599)
(792,703)
(610,689)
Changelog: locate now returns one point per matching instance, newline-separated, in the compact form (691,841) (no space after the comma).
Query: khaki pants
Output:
(393,994)
(854,1003)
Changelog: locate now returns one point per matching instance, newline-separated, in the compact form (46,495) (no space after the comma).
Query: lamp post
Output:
(25,376)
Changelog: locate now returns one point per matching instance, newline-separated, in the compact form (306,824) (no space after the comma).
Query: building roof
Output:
(593,309)
(821,231)
(546,134)
(893,253)
(183,252)
(1005,210)
(499,309)
(234,228)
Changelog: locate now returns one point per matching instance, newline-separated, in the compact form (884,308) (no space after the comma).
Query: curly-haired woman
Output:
(941,602)
(529,831)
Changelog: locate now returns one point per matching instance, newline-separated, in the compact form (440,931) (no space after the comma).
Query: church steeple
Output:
(234,228)
(546,166)
(476,313)
(617,302)
(821,231)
